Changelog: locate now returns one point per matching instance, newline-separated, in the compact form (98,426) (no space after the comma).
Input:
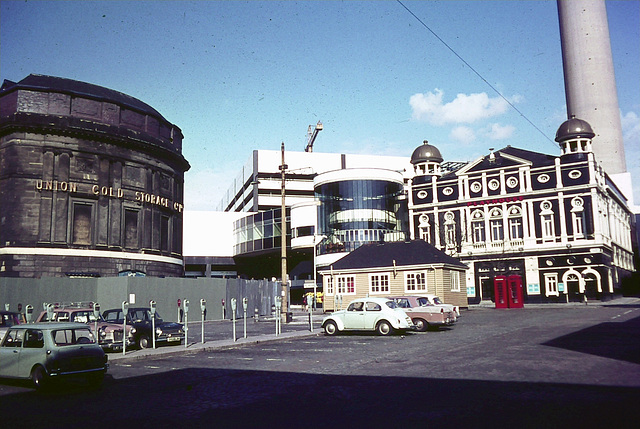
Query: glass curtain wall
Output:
(355,212)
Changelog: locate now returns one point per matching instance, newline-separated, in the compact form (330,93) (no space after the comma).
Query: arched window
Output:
(577,217)
(425,228)
(546,221)
(515,223)
(450,230)
(477,226)
(496,224)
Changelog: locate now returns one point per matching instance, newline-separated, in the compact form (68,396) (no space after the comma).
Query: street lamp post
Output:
(283,256)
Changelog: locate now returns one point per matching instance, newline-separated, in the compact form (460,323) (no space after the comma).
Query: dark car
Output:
(140,319)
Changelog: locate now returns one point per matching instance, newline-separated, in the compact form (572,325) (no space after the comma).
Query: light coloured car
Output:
(43,352)
(368,314)
(423,313)
(435,300)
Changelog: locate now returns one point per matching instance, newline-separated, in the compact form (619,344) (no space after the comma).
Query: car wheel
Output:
(143,342)
(384,328)
(38,377)
(330,328)
(421,324)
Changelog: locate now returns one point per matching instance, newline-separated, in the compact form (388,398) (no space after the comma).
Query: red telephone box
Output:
(500,286)
(508,291)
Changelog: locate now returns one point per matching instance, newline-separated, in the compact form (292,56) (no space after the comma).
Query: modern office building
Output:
(91,182)
(531,227)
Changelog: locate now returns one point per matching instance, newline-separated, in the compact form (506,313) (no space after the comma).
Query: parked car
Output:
(109,334)
(8,319)
(46,351)
(368,314)
(140,319)
(423,313)
(435,300)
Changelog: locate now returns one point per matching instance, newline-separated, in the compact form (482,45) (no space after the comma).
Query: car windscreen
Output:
(391,304)
(437,300)
(423,301)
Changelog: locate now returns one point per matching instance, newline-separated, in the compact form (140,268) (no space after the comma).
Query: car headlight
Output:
(133,331)
(158,331)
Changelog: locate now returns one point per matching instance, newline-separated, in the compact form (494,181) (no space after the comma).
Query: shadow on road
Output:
(613,340)
(201,397)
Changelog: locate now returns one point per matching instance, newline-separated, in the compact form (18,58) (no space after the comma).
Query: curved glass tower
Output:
(359,206)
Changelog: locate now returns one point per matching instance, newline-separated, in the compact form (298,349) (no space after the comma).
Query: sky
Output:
(238,76)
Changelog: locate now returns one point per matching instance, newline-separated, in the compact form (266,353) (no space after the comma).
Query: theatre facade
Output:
(531,227)
(91,182)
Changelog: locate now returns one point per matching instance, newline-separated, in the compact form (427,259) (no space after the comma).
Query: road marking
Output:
(273,359)
(245,358)
(152,367)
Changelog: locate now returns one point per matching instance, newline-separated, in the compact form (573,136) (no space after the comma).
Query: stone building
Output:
(91,182)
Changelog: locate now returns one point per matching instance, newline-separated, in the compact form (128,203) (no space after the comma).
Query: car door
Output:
(354,316)
(32,352)
(10,350)
(372,312)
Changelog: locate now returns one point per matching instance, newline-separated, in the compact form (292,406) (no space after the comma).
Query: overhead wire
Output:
(476,72)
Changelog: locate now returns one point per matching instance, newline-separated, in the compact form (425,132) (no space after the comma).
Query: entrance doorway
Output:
(508,291)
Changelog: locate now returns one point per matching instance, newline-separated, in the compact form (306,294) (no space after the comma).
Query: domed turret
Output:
(574,136)
(574,128)
(426,160)
(426,153)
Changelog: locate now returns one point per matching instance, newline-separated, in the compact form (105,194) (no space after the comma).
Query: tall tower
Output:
(589,79)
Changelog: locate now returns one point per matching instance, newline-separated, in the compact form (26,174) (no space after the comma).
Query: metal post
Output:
(203,307)
(186,323)
(152,307)
(283,257)
(233,316)
(125,310)
(244,306)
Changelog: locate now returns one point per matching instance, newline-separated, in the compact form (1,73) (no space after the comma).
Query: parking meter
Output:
(96,313)
(223,309)
(234,303)
(203,308)
(245,303)
(186,322)
(152,308)
(50,312)
(125,311)
(278,307)
(29,314)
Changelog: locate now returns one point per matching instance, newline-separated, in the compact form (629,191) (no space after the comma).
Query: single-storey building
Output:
(394,268)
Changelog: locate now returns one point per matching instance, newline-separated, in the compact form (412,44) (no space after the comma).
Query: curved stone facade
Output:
(91,182)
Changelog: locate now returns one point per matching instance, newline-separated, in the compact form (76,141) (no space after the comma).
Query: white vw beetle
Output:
(368,314)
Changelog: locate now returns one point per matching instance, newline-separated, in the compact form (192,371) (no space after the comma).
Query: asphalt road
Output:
(576,366)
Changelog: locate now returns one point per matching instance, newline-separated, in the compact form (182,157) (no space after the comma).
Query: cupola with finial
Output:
(426,160)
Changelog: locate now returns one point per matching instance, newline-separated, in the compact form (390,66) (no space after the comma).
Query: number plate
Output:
(173,339)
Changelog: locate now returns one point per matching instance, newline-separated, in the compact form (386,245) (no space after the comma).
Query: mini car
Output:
(109,334)
(140,319)
(368,314)
(43,352)
(423,313)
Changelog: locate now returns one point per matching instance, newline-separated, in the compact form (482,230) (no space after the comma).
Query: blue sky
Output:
(238,76)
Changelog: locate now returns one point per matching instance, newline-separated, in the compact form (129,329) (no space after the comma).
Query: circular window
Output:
(449,216)
(546,205)
(476,187)
(587,260)
(422,194)
(448,190)
(549,262)
(494,184)
(577,202)
(543,178)
(575,174)
(512,182)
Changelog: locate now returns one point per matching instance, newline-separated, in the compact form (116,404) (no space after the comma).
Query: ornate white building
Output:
(531,227)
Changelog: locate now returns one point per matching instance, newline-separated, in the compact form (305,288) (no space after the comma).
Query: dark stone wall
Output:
(86,175)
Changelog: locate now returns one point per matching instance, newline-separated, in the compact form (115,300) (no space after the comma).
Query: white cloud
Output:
(499,132)
(463,134)
(464,108)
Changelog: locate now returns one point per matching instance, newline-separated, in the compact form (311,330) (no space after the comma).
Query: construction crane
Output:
(312,133)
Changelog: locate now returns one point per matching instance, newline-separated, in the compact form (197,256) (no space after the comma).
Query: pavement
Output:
(219,334)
